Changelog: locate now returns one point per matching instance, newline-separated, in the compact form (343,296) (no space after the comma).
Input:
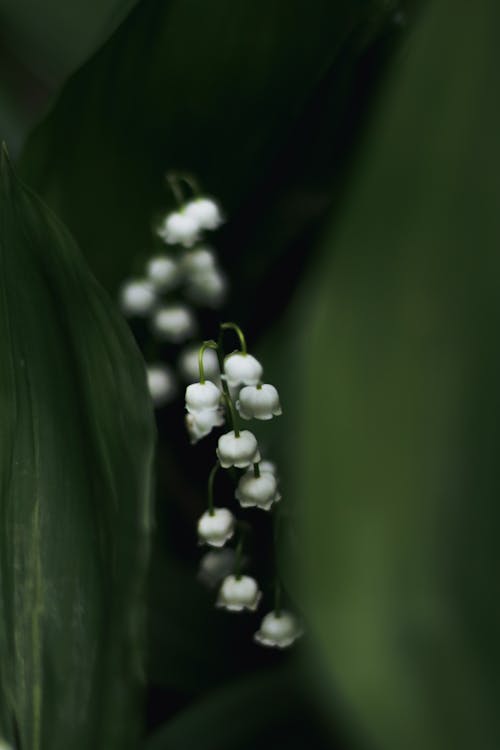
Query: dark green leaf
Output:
(75,473)
(40,46)
(265,709)
(399,429)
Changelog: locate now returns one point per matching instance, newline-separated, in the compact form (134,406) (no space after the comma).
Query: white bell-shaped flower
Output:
(259,402)
(174,323)
(137,297)
(207,288)
(242,368)
(189,364)
(179,229)
(201,424)
(278,630)
(202,397)
(161,383)
(239,451)
(215,565)
(198,261)
(205,212)
(238,593)
(268,467)
(163,272)
(216,527)
(257,492)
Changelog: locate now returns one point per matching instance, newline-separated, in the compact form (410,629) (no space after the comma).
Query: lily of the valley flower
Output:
(205,212)
(207,288)
(179,228)
(201,424)
(259,402)
(174,323)
(242,368)
(257,491)
(163,272)
(238,450)
(202,397)
(137,297)
(215,565)
(278,630)
(216,527)
(238,593)
(161,383)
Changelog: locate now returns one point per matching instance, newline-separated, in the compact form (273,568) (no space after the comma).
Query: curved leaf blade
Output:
(399,433)
(75,473)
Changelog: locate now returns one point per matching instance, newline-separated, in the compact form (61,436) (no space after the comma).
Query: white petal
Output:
(278,630)
(242,368)
(137,297)
(205,212)
(161,383)
(163,272)
(202,397)
(174,323)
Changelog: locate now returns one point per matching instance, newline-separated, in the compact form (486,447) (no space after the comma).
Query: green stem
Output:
(173,183)
(225,388)
(234,327)
(277,597)
(206,345)
(256,470)
(231,413)
(277,583)
(191,182)
(239,557)
(211,479)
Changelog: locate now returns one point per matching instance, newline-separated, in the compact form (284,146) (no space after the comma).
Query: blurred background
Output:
(354,148)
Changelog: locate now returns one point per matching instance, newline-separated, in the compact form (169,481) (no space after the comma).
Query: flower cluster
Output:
(184,274)
(236,391)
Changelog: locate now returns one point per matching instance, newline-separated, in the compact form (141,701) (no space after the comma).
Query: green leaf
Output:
(397,481)
(75,474)
(266,708)
(41,46)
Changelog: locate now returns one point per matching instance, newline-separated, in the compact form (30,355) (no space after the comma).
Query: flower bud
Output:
(238,451)
(174,323)
(242,368)
(261,492)
(197,261)
(215,565)
(268,467)
(202,397)
(189,364)
(207,288)
(161,383)
(137,297)
(216,527)
(259,402)
(179,229)
(163,272)
(278,630)
(238,593)
(205,212)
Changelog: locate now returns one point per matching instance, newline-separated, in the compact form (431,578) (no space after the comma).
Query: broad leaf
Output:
(267,708)
(398,436)
(40,46)
(75,474)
